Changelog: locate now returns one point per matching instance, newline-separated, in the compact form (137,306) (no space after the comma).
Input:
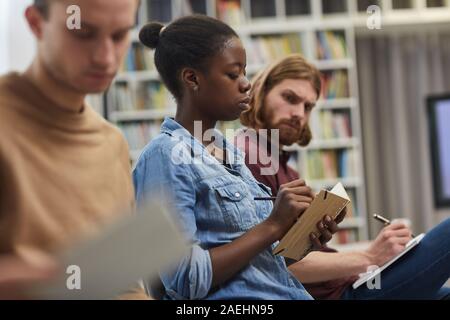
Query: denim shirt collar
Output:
(172,128)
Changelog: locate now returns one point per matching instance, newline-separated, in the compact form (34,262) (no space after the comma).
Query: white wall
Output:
(20,44)
(4,8)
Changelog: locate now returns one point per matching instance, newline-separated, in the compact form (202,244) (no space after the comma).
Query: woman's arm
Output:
(292,200)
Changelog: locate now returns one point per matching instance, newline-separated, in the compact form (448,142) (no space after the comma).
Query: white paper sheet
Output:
(136,247)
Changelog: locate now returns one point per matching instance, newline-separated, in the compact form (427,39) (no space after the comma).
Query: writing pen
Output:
(386,221)
(265,198)
(382,219)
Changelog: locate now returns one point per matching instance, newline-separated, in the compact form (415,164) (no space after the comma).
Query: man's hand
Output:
(327,227)
(390,242)
(16,275)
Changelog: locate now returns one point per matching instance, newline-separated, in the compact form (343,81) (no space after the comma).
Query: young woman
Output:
(202,62)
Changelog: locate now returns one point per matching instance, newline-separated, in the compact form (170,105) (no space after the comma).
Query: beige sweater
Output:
(62,174)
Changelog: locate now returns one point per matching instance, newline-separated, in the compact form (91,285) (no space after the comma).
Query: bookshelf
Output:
(324,32)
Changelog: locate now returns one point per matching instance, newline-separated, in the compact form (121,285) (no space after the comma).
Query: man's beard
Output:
(289,131)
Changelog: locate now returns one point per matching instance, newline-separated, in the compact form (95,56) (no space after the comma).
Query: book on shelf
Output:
(229,11)
(335,84)
(296,160)
(331,45)
(140,134)
(330,164)
(138,58)
(146,95)
(330,125)
(121,98)
(265,49)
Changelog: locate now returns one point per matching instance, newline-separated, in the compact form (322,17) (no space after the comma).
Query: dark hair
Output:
(186,42)
(42,6)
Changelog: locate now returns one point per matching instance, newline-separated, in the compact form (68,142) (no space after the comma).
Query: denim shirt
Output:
(214,205)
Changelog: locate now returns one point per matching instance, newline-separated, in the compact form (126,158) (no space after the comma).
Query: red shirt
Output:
(322,290)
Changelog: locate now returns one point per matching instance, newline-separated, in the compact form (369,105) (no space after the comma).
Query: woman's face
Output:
(288,107)
(224,88)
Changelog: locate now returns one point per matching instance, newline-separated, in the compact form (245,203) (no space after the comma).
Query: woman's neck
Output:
(189,117)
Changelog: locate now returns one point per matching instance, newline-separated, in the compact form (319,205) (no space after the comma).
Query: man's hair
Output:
(42,6)
(189,41)
(291,67)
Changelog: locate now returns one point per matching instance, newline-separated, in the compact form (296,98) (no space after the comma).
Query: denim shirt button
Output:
(237,195)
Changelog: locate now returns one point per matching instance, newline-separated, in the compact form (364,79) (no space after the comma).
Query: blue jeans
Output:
(419,274)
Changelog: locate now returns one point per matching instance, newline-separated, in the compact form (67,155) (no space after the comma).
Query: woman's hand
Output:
(327,227)
(292,200)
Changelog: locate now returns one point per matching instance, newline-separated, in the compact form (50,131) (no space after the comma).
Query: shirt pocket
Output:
(237,207)
(265,188)
(264,207)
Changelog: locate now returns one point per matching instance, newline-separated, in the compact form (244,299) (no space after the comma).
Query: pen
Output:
(265,198)
(386,221)
(382,219)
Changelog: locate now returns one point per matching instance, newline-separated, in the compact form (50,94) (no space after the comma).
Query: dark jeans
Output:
(419,274)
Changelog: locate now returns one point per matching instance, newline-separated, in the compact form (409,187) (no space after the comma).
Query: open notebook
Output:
(364,277)
(135,247)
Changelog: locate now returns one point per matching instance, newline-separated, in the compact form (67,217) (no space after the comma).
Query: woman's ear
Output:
(190,79)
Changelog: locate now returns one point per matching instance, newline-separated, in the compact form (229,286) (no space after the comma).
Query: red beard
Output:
(289,131)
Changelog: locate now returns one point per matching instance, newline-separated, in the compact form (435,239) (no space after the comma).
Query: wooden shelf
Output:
(352,182)
(334,104)
(327,144)
(136,76)
(118,116)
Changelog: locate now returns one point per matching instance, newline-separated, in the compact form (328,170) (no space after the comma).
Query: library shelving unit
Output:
(323,31)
